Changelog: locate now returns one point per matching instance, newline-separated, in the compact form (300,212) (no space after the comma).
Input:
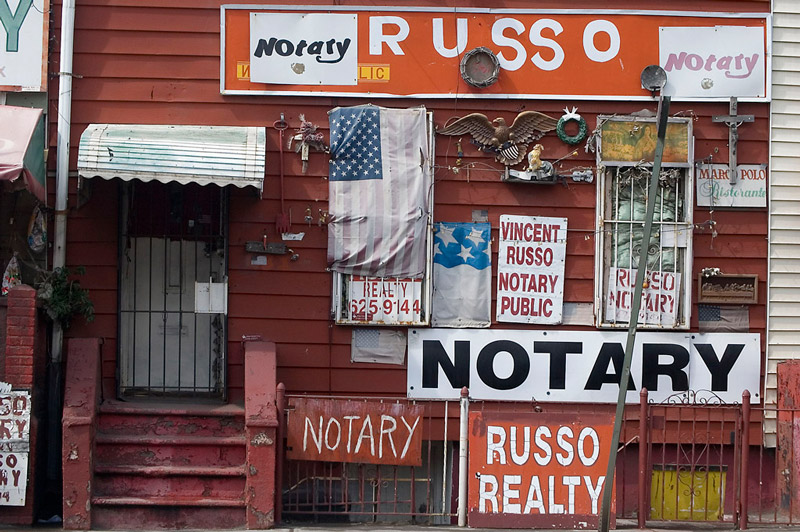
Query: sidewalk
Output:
(622,524)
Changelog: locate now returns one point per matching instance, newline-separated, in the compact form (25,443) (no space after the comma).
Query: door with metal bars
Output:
(172,290)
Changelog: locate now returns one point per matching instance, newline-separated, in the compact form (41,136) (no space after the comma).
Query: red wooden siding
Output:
(139,61)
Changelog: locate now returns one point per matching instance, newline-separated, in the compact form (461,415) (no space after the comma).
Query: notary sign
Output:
(304,48)
(580,366)
(330,430)
(537,470)
(530,271)
(23,54)
(416,51)
(716,189)
(15,417)
(660,299)
(713,61)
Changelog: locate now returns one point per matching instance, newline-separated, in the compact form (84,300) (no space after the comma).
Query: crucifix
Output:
(733,121)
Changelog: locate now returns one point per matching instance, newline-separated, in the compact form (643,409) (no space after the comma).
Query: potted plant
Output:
(63,297)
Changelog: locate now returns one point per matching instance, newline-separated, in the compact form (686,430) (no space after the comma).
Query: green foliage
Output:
(63,298)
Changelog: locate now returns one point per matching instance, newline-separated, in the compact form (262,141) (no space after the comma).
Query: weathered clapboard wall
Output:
(147,61)
(783,336)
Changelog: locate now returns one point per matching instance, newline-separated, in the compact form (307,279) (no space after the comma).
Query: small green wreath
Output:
(570,116)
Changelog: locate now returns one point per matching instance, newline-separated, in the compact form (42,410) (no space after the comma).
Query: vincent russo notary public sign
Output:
(579,366)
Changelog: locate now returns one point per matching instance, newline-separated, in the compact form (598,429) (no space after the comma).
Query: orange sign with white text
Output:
(530,470)
(414,51)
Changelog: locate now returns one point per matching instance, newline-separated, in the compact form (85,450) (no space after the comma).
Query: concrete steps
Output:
(167,465)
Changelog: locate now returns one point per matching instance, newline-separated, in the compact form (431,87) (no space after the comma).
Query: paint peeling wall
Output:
(151,62)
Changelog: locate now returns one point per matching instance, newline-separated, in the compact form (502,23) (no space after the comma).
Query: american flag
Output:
(378,191)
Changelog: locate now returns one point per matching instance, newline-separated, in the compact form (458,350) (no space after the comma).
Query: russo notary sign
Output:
(23,44)
(15,421)
(530,271)
(416,51)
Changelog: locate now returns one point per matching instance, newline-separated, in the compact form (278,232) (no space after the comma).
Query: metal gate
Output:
(336,492)
(692,458)
(692,450)
(172,289)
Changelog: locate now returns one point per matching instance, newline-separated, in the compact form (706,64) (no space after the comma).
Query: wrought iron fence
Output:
(378,493)
(694,459)
(774,472)
(686,459)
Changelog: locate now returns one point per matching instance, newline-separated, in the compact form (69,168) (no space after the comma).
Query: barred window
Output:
(622,203)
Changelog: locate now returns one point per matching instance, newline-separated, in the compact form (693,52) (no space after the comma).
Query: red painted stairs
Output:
(168,465)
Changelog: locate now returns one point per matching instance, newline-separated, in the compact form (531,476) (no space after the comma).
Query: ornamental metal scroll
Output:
(694,397)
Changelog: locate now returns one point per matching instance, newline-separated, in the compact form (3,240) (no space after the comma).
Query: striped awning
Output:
(222,155)
(22,148)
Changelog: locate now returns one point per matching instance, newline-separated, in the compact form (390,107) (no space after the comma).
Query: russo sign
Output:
(416,51)
(715,189)
(532,470)
(660,298)
(579,366)
(530,270)
(23,45)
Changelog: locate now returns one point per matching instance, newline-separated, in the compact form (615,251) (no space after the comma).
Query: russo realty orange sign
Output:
(530,470)
(416,51)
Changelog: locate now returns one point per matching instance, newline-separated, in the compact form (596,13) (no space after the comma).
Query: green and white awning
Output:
(22,148)
(222,155)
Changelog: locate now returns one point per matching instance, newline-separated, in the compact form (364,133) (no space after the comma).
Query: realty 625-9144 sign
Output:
(537,470)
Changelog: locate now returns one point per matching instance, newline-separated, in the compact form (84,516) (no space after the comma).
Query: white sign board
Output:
(714,187)
(384,301)
(304,48)
(15,419)
(713,62)
(530,270)
(580,366)
(660,299)
(13,478)
(23,31)
(211,298)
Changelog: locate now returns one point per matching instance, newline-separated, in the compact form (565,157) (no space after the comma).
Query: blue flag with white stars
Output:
(462,275)
(355,144)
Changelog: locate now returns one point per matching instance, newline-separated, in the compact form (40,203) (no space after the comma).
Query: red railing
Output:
(773,494)
(366,493)
(686,459)
(692,459)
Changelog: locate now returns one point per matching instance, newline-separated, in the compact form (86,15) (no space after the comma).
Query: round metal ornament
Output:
(480,67)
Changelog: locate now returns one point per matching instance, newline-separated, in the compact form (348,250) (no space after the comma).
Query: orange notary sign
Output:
(331,430)
(530,470)
(416,52)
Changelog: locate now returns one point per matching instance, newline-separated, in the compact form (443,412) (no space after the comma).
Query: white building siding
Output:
(783,326)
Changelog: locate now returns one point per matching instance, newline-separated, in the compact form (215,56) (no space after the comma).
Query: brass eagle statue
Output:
(507,143)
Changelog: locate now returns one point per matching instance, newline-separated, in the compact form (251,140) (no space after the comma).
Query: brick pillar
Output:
(261,423)
(21,332)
